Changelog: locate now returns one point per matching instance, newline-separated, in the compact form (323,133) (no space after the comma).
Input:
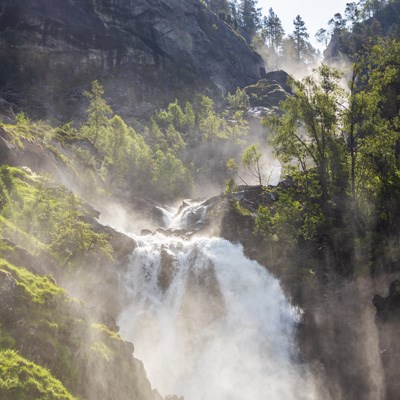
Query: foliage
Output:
(51,216)
(106,331)
(377,127)
(296,216)
(309,132)
(341,151)
(21,379)
(102,349)
(251,161)
(39,288)
(170,176)
(239,100)
(97,111)
(73,237)
(300,38)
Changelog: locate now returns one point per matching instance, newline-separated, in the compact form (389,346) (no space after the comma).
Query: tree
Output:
(309,131)
(322,36)
(170,177)
(250,17)
(234,14)
(352,12)
(251,161)
(119,134)
(378,144)
(98,112)
(273,30)
(337,23)
(73,237)
(239,100)
(368,8)
(302,46)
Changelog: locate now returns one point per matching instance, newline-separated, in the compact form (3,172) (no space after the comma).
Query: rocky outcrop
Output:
(145,52)
(346,45)
(266,95)
(58,333)
(337,337)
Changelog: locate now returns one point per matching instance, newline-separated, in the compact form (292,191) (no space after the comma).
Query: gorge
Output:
(180,218)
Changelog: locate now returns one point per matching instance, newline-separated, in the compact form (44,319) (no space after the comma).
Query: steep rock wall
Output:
(145,52)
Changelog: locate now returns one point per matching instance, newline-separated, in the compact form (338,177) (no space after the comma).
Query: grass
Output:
(102,349)
(21,379)
(39,288)
(108,332)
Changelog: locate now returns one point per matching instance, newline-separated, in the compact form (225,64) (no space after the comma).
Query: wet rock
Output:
(146,52)
(149,209)
(167,270)
(267,94)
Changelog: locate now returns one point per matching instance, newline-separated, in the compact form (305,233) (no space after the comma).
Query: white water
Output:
(190,215)
(208,323)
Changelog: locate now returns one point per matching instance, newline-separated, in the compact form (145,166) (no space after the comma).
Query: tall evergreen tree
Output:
(98,112)
(234,13)
(303,48)
(273,30)
(250,17)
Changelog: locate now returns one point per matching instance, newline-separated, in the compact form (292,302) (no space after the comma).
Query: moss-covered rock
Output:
(21,379)
(41,322)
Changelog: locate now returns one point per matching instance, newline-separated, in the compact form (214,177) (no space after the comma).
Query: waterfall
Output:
(208,323)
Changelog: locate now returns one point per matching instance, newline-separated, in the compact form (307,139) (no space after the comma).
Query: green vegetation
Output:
(41,323)
(362,23)
(21,379)
(178,146)
(266,33)
(39,288)
(45,218)
(340,148)
(250,162)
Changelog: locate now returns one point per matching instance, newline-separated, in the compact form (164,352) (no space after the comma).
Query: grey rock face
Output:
(145,52)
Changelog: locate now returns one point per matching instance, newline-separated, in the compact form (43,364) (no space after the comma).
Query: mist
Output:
(210,323)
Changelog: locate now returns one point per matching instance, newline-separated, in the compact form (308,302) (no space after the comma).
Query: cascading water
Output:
(207,322)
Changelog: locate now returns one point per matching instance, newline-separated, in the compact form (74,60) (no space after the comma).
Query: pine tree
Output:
(98,112)
(234,13)
(250,18)
(303,48)
(273,30)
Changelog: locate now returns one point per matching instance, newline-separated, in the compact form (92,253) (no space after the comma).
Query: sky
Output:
(315,13)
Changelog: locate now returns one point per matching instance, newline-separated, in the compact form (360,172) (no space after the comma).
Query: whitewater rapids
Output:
(208,323)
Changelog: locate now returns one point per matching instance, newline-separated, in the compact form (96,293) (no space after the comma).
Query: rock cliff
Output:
(145,52)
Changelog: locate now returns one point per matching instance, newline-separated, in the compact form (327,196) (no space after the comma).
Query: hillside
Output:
(145,53)
(349,42)
(178,223)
